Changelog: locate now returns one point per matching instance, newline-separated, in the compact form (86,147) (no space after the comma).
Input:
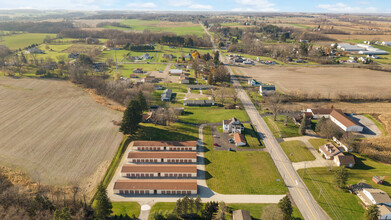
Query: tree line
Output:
(36,27)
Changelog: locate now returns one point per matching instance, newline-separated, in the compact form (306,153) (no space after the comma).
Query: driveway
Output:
(370,128)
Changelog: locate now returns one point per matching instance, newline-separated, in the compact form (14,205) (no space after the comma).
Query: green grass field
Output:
(297,151)
(278,128)
(251,138)
(254,209)
(242,172)
(17,41)
(126,208)
(212,114)
(317,142)
(179,28)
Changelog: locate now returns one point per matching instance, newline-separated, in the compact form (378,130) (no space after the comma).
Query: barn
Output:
(344,122)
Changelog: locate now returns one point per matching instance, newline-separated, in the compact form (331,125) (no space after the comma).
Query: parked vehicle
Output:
(217,145)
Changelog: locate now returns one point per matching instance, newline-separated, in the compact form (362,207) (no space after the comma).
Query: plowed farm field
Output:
(54,131)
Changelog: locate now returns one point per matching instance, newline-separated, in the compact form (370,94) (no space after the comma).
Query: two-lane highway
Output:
(306,203)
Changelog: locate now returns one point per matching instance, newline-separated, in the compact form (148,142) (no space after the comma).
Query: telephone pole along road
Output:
(303,199)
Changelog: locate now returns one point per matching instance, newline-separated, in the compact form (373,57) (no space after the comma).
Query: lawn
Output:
(242,172)
(21,41)
(126,208)
(317,142)
(278,128)
(256,210)
(337,203)
(127,69)
(297,151)
(251,137)
(162,207)
(174,132)
(212,114)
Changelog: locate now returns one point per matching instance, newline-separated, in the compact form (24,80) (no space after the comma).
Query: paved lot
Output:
(370,128)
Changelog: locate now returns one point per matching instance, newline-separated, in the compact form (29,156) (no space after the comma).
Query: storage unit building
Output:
(164,145)
(156,171)
(162,157)
(155,187)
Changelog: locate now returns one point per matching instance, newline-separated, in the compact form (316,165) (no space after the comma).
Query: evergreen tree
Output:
(191,205)
(340,176)
(132,117)
(303,125)
(178,207)
(23,58)
(64,214)
(198,204)
(185,205)
(210,79)
(372,213)
(103,205)
(142,100)
(286,207)
(216,59)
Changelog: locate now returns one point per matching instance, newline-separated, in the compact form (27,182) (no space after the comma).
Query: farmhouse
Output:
(138,70)
(318,113)
(164,145)
(267,89)
(155,187)
(166,95)
(344,122)
(199,87)
(149,79)
(145,57)
(198,102)
(172,171)
(239,139)
(329,151)
(176,72)
(232,126)
(162,157)
(241,215)
(253,82)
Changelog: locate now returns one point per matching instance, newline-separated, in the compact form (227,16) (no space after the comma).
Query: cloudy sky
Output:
(345,6)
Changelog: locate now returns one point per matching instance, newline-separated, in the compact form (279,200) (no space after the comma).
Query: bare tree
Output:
(234,96)
(213,94)
(222,94)
(274,102)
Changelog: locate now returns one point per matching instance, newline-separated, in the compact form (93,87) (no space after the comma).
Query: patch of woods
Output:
(193,208)
(36,27)
(114,24)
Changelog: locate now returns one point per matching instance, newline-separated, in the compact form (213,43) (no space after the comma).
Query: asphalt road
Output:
(303,199)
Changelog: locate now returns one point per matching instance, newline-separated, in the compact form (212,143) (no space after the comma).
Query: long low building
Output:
(162,157)
(151,171)
(164,145)
(155,187)
(344,122)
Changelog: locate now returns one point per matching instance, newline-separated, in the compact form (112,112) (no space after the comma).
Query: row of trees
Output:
(139,47)
(133,114)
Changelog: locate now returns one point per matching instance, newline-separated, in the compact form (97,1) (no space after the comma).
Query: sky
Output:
(320,6)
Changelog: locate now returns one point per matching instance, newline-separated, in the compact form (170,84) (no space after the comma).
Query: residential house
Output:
(149,79)
(183,79)
(198,102)
(239,139)
(154,171)
(318,113)
(266,89)
(176,72)
(232,126)
(253,82)
(329,151)
(188,56)
(73,55)
(155,187)
(158,87)
(385,212)
(162,157)
(199,87)
(241,215)
(166,96)
(138,70)
(344,122)
(345,160)
(168,56)
(145,57)
(99,67)
(386,43)
(34,50)
(377,197)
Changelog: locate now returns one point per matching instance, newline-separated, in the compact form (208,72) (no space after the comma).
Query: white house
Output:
(232,126)
(344,122)
(155,187)
(377,196)
(176,72)
(345,160)
(385,212)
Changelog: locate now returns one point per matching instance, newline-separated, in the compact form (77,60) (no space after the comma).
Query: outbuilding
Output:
(162,157)
(155,187)
(164,145)
(344,122)
(156,171)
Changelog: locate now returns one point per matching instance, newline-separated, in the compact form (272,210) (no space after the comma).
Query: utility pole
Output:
(115,55)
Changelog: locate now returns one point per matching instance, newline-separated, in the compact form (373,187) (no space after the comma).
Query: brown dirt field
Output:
(55,132)
(360,37)
(174,24)
(326,81)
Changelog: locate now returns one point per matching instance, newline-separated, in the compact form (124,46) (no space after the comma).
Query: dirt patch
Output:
(55,131)
(328,82)
(93,22)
